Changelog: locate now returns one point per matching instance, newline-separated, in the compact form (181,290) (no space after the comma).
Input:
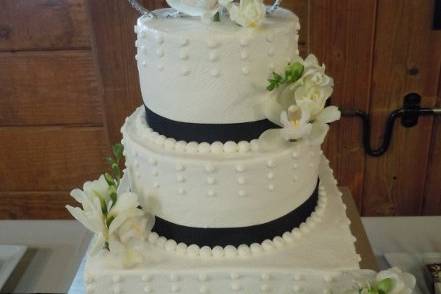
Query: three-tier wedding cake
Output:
(226,189)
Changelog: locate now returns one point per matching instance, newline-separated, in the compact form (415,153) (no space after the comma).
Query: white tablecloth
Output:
(59,246)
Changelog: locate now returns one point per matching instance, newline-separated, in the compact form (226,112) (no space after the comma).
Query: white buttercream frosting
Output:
(194,72)
(217,189)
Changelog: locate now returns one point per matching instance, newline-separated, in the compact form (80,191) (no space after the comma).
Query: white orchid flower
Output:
(92,198)
(248,13)
(295,123)
(402,283)
(313,98)
(203,8)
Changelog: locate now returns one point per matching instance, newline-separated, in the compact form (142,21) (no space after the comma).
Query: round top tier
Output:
(213,73)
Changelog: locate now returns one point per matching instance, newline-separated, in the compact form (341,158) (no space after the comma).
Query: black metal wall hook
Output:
(409,114)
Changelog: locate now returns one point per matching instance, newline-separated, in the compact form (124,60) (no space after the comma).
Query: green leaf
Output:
(116,171)
(109,179)
(113,195)
(294,72)
(109,220)
(117,150)
(385,286)
(216,17)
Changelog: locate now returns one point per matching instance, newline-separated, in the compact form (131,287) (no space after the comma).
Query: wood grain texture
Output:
(35,205)
(50,158)
(341,35)
(43,24)
(113,23)
(407,59)
(432,193)
(42,88)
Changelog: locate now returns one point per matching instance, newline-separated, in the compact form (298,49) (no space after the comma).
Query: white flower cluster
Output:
(248,13)
(391,281)
(298,103)
(119,226)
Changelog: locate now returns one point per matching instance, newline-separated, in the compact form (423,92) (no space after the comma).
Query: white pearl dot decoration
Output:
(270,175)
(230,147)
(241,180)
(175,288)
(245,70)
(272,67)
(203,289)
(183,42)
(147,289)
(211,181)
(234,276)
(160,67)
(144,64)
(244,42)
(265,288)
(271,187)
(156,185)
(116,278)
(180,178)
(242,193)
(215,73)
(203,277)
(235,287)
(270,37)
(211,43)
(217,147)
(180,167)
(160,52)
(136,57)
(204,148)
(211,193)
(185,71)
(297,289)
(183,55)
(209,168)
(174,278)
(244,55)
(244,146)
(181,191)
(213,56)
(160,39)
(270,163)
(240,168)
(271,52)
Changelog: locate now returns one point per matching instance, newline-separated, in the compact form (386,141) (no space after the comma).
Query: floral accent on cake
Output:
(298,103)
(391,281)
(113,214)
(203,8)
(248,13)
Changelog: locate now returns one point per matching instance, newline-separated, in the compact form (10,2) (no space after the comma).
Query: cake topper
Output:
(246,13)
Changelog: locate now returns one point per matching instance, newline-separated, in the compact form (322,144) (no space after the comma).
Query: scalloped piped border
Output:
(254,249)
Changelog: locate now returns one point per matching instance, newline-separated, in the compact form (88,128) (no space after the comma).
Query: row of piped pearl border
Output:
(170,144)
(254,249)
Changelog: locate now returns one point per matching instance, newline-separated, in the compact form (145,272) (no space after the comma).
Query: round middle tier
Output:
(217,185)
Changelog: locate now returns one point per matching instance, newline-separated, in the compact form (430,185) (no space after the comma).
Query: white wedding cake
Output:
(226,189)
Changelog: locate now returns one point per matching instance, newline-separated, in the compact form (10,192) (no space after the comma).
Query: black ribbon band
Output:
(209,133)
(237,236)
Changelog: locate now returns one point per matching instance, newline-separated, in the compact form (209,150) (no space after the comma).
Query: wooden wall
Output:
(52,133)
(68,79)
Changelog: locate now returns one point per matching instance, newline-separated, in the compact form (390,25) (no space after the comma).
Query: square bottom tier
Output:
(320,258)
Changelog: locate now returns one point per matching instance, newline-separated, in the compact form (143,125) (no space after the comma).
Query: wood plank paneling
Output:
(341,36)
(50,158)
(113,23)
(35,205)
(405,61)
(41,88)
(432,195)
(43,24)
